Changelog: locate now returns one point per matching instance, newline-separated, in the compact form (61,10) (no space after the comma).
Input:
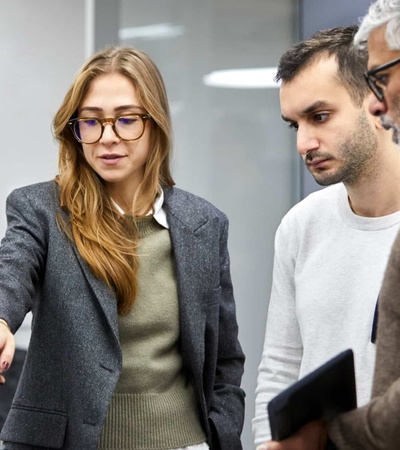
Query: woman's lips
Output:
(111,159)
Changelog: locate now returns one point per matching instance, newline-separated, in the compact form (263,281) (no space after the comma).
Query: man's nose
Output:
(377,107)
(306,141)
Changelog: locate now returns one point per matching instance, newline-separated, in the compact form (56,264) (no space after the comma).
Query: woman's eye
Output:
(127,120)
(89,122)
(294,126)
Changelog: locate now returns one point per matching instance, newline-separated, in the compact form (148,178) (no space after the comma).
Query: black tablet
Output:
(322,394)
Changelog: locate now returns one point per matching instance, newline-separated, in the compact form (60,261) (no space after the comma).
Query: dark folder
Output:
(322,394)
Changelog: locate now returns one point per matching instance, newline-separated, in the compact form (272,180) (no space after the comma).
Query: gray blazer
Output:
(74,359)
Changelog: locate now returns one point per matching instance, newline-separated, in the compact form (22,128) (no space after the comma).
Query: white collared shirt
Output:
(158,210)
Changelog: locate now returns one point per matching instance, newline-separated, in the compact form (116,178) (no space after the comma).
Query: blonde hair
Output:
(104,239)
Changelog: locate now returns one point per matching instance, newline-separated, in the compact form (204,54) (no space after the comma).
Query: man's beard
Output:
(390,124)
(358,153)
(393,124)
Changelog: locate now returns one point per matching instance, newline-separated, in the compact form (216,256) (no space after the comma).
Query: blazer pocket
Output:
(37,427)
(215,296)
(211,340)
(213,304)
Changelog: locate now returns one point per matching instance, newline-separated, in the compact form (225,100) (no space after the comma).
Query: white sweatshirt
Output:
(328,268)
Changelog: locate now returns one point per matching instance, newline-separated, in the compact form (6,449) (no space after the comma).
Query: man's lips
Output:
(316,162)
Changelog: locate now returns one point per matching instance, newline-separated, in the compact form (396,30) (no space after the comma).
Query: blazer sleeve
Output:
(226,415)
(375,426)
(22,257)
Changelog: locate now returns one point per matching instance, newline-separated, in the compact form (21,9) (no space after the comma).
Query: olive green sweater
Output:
(154,405)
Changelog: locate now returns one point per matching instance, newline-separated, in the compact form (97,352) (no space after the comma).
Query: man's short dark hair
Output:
(338,42)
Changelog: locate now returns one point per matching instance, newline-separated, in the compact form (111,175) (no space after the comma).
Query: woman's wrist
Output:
(5,323)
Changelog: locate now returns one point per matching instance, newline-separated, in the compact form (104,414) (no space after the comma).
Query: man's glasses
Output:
(377,83)
(128,127)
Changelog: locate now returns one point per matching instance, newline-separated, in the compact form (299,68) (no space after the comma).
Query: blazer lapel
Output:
(188,245)
(104,295)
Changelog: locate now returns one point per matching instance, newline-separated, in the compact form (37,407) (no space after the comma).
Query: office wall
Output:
(41,47)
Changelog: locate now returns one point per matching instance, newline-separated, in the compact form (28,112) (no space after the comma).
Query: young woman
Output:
(134,337)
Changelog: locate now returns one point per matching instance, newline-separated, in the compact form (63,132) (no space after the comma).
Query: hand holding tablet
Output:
(322,394)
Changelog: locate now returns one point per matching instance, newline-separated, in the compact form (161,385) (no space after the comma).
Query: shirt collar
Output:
(159,213)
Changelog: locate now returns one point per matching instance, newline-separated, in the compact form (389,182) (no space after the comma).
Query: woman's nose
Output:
(109,135)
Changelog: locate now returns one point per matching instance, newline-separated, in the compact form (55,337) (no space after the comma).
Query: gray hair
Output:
(380,13)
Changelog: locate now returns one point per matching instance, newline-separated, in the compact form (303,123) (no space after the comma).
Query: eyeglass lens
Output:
(375,88)
(90,130)
(373,81)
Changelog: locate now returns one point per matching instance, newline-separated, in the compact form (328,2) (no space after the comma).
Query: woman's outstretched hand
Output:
(7,349)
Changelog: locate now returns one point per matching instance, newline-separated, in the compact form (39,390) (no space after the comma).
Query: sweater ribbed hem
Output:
(155,421)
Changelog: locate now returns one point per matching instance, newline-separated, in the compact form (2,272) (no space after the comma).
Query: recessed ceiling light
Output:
(156,31)
(259,78)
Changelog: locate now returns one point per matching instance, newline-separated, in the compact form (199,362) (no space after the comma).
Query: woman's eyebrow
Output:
(117,108)
(124,107)
(91,108)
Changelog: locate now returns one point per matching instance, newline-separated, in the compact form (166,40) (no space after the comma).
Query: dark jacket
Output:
(74,359)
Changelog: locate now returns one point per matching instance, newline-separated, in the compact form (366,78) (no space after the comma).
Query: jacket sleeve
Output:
(376,426)
(226,414)
(22,257)
(283,348)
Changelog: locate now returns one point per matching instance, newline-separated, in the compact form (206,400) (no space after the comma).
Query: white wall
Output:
(41,47)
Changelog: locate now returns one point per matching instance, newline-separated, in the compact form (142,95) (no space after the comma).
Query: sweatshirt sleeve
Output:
(282,352)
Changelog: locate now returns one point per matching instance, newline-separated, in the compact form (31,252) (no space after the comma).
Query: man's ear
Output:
(378,123)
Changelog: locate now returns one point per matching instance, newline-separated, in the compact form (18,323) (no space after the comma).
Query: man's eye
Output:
(381,80)
(294,126)
(322,117)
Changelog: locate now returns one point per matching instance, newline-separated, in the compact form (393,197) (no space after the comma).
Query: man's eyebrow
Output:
(314,107)
(310,109)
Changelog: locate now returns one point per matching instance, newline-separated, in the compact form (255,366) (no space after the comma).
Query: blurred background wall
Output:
(231,145)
